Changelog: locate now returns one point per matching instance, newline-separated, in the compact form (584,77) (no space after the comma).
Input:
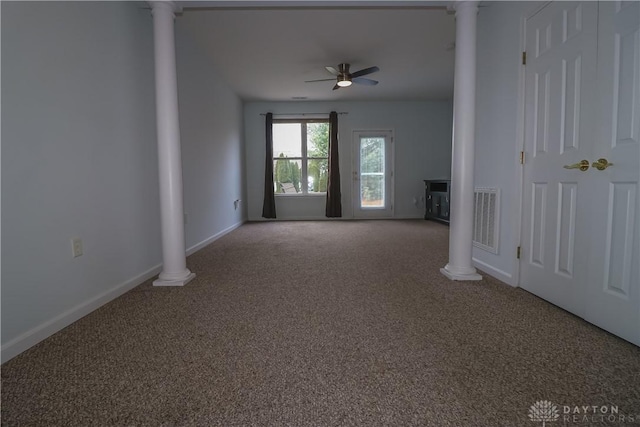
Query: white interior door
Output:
(613,284)
(560,70)
(580,228)
(373,174)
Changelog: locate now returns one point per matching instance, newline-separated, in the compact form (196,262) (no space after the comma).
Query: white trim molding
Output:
(33,336)
(206,242)
(496,273)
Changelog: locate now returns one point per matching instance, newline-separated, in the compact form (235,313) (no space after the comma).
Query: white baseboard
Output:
(45,330)
(324,218)
(195,248)
(494,272)
(50,327)
(299,218)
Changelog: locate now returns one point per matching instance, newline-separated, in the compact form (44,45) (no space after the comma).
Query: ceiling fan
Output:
(344,78)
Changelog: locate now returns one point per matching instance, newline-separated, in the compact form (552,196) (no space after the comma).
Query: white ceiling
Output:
(267,53)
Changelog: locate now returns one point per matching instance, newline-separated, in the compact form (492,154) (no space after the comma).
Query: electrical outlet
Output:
(76,247)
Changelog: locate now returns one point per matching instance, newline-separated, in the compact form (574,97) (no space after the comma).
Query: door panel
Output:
(538,225)
(613,290)
(558,75)
(618,248)
(570,108)
(566,227)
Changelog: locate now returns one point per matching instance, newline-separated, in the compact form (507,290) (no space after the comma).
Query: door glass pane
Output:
(372,172)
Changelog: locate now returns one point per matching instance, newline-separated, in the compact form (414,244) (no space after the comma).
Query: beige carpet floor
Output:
(334,323)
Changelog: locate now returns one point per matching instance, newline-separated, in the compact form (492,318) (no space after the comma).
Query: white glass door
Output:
(373,174)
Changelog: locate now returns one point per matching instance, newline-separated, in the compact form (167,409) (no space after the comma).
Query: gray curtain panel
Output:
(269,203)
(334,197)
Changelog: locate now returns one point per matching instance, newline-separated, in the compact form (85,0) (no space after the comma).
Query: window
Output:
(300,156)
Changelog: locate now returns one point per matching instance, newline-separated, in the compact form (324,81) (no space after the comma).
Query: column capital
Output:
(171,6)
(459,5)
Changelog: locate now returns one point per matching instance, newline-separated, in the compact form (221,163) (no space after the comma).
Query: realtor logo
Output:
(543,411)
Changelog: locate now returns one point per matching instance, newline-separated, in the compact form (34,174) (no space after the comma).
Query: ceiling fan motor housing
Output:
(344,78)
(344,69)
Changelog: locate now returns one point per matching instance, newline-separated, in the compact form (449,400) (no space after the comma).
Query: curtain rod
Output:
(302,114)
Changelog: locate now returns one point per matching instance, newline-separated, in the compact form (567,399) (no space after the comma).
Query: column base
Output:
(470,275)
(175,282)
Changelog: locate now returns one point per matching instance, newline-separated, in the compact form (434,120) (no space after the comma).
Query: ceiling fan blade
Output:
(332,71)
(365,72)
(336,87)
(364,81)
(319,80)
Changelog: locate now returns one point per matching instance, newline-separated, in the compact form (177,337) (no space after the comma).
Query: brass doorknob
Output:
(583,165)
(601,164)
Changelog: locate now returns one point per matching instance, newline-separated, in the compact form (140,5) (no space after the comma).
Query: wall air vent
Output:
(486,219)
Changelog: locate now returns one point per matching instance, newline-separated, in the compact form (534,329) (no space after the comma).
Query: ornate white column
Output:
(460,266)
(174,268)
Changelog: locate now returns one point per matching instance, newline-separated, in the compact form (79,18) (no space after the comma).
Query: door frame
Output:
(355,174)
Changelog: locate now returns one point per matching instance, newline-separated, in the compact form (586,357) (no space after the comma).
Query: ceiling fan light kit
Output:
(344,78)
(343,81)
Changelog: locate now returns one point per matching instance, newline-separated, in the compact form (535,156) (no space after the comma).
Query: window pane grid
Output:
(300,155)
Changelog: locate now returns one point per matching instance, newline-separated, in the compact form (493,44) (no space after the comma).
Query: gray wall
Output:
(422,132)
(498,125)
(212,146)
(79,159)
